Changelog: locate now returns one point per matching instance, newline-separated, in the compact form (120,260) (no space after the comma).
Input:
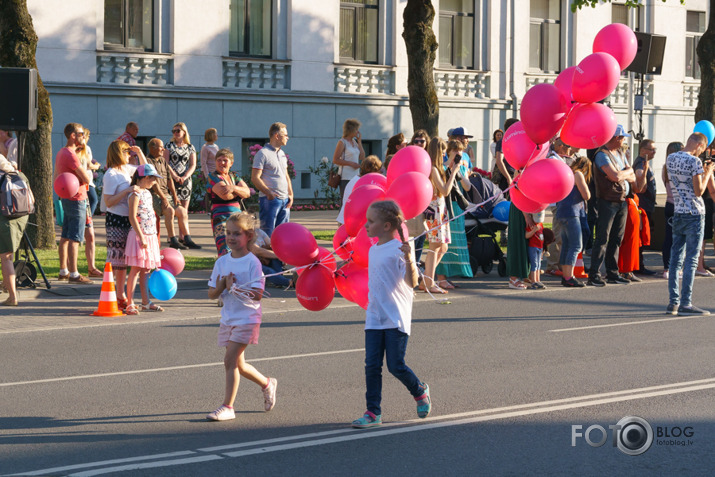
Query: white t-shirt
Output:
(352,154)
(115,180)
(682,167)
(390,298)
(348,190)
(246,269)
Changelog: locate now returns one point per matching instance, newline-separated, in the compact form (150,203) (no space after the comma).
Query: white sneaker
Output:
(269,394)
(221,414)
(665,274)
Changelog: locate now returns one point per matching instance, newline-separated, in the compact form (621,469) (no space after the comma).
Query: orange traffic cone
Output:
(108,297)
(578,270)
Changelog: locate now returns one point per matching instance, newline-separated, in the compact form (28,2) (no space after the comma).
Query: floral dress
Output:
(179,161)
(439,231)
(135,255)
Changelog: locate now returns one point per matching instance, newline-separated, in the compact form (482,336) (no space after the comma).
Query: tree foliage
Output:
(578,4)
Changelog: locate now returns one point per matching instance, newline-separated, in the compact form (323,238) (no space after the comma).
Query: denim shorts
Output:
(535,258)
(75,212)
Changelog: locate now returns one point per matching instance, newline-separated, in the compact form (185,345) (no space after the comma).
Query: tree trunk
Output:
(421,54)
(706,60)
(18,42)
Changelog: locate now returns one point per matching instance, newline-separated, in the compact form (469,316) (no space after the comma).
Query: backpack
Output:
(16,199)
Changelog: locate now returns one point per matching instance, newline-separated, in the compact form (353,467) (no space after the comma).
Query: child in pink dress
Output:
(142,252)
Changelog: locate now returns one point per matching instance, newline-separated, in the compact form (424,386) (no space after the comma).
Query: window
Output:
(545,36)
(456,33)
(250,33)
(359,31)
(621,14)
(694,29)
(129,24)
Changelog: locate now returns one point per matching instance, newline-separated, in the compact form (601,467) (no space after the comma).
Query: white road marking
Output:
(109,462)
(415,425)
(626,323)
(173,368)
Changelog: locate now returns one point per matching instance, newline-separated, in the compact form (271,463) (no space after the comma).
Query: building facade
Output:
(240,65)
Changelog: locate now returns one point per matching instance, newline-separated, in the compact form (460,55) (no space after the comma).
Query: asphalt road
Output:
(511,373)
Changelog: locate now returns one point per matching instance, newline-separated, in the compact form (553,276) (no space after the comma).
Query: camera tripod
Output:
(25,271)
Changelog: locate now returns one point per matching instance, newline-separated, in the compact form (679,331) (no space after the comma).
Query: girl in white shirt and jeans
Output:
(392,275)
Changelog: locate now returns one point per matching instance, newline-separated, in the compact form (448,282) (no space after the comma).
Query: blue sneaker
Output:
(424,403)
(368,420)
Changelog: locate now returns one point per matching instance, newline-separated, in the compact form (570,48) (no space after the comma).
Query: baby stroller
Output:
(481,226)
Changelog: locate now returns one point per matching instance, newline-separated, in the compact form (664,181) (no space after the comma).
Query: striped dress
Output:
(221,210)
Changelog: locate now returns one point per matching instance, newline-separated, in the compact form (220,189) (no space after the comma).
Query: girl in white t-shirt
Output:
(240,315)
(392,275)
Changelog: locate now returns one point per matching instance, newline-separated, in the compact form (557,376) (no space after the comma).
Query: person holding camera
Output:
(645,189)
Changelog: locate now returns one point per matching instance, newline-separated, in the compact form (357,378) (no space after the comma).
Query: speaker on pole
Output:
(649,57)
(18,101)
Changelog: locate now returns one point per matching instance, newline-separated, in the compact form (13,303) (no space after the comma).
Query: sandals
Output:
(122,303)
(516,284)
(131,310)
(151,307)
(437,290)
(446,284)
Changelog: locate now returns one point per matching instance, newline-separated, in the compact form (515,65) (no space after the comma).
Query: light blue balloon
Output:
(705,127)
(162,285)
(501,211)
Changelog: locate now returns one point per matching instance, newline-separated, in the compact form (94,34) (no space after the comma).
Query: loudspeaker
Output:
(18,99)
(649,58)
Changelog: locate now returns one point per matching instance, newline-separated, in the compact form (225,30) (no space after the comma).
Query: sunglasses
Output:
(79,133)
(176,131)
(419,141)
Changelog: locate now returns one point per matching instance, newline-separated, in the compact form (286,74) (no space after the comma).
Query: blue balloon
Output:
(705,127)
(162,285)
(501,211)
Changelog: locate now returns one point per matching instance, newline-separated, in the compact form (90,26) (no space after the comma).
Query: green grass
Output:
(50,261)
(324,235)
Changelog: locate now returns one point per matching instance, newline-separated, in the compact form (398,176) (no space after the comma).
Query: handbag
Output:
(333,178)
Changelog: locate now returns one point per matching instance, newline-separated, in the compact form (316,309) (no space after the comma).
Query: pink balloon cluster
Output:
(569,106)
(407,183)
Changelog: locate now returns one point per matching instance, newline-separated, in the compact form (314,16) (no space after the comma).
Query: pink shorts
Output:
(244,334)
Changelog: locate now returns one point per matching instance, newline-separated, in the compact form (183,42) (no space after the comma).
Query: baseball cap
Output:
(460,131)
(621,131)
(145,170)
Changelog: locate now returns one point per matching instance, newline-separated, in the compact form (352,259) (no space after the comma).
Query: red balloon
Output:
(294,244)
(595,77)
(409,159)
(357,204)
(326,259)
(66,185)
(341,283)
(315,288)
(373,178)
(412,191)
(589,126)
(517,146)
(357,282)
(564,83)
(547,181)
(172,261)
(618,41)
(341,243)
(361,248)
(543,112)
(523,203)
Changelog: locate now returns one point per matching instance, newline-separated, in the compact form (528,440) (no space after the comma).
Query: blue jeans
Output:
(275,267)
(535,258)
(571,240)
(668,239)
(392,344)
(610,225)
(75,215)
(419,243)
(688,231)
(272,213)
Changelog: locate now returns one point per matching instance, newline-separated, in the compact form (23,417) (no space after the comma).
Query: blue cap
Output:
(621,131)
(460,131)
(145,170)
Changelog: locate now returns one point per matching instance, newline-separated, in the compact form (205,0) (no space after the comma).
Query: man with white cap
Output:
(614,179)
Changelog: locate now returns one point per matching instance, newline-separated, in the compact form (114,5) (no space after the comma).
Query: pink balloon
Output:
(373,178)
(408,159)
(326,259)
(517,146)
(543,112)
(66,185)
(357,204)
(341,283)
(172,261)
(523,203)
(541,153)
(618,41)
(589,126)
(564,83)
(315,288)
(294,244)
(341,243)
(357,283)
(547,181)
(595,77)
(412,191)
(361,248)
